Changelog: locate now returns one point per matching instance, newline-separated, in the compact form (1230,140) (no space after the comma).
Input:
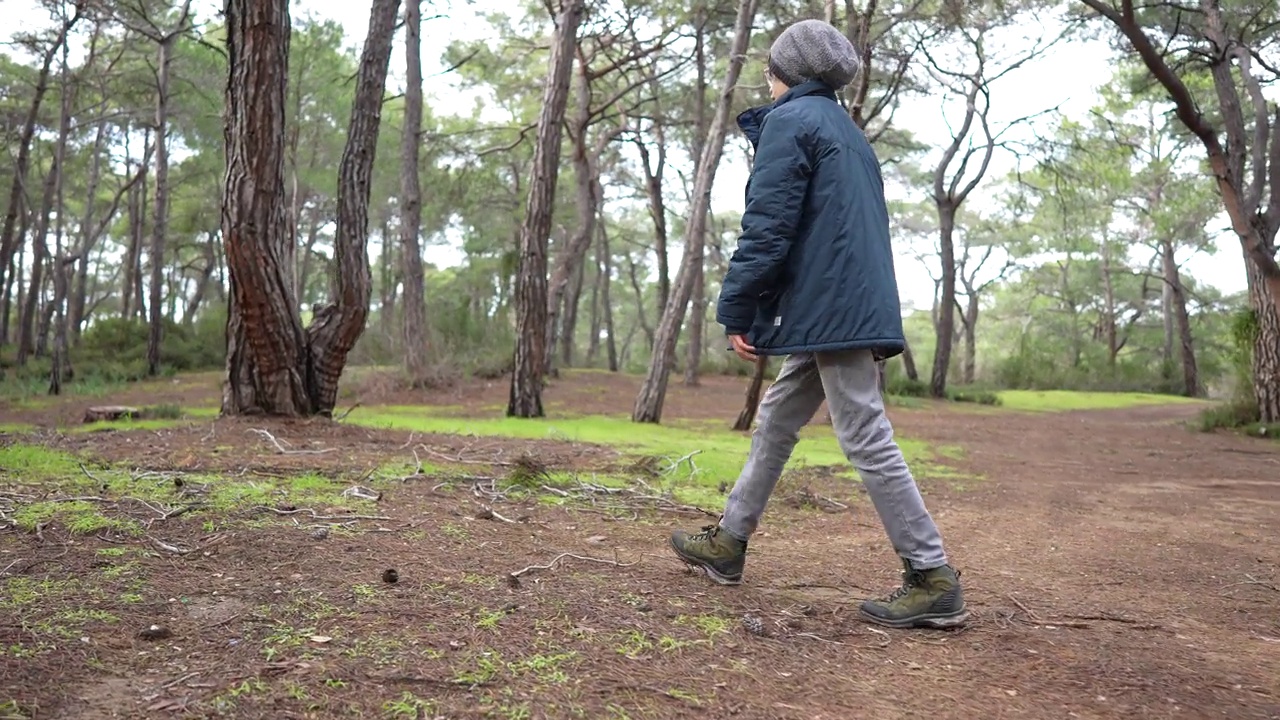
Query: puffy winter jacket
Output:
(813,270)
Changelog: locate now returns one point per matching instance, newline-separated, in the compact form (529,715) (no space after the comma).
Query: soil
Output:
(1116,564)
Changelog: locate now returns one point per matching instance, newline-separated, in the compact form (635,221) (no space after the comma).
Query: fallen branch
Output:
(514,578)
(314,516)
(1024,608)
(280,448)
(488,513)
(1251,580)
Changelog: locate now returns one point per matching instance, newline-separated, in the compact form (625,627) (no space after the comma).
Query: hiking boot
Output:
(927,599)
(714,551)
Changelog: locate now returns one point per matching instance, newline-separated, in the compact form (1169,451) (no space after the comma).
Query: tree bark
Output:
(605,260)
(531,280)
(160,225)
(268,368)
(945,328)
(415,308)
(697,324)
(569,324)
(970,369)
(59,267)
(657,211)
(648,406)
(754,388)
(909,363)
(589,194)
(273,365)
(1177,315)
(1264,297)
(8,237)
(27,337)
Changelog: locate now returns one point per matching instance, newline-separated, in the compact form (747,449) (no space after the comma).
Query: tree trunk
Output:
(531,281)
(59,267)
(657,211)
(697,323)
(267,356)
(160,225)
(1263,298)
(273,365)
(87,239)
(641,317)
(593,339)
(748,414)
(909,363)
(970,369)
(648,406)
(39,254)
(8,237)
(569,325)
(1109,308)
(415,307)
(1176,314)
(605,260)
(945,327)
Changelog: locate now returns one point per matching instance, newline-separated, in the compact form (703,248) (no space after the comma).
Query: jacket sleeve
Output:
(775,199)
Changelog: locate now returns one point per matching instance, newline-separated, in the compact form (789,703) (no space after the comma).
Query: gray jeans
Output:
(849,382)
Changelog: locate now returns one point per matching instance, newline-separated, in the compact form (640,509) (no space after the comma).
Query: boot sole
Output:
(931,621)
(709,571)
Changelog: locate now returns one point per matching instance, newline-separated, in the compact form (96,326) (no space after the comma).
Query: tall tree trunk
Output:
(1109,308)
(657,211)
(648,405)
(415,302)
(16,205)
(529,362)
(273,365)
(697,324)
(590,193)
(970,369)
(87,239)
(593,340)
(1266,345)
(909,363)
(160,226)
(39,254)
(748,414)
(945,322)
(59,267)
(642,318)
(268,368)
(569,325)
(606,272)
(1177,314)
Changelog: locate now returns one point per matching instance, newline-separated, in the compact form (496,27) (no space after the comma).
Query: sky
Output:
(1066,77)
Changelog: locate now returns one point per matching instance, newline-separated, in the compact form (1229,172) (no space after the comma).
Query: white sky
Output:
(1066,77)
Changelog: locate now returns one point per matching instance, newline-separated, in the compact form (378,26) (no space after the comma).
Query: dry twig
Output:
(280,448)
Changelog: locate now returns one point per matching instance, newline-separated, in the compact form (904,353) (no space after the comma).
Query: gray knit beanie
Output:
(814,50)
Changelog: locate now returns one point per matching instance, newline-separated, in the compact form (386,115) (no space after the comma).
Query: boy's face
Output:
(776,86)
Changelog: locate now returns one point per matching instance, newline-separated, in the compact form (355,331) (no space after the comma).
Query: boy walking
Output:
(813,279)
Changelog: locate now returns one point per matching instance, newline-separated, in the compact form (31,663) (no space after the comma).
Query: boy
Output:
(813,279)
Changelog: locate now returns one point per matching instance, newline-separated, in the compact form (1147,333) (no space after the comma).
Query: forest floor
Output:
(1117,563)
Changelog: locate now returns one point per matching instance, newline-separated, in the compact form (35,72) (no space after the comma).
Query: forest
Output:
(363,361)
(569,200)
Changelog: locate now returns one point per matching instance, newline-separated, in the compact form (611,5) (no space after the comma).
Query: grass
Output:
(701,454)
(1065,400)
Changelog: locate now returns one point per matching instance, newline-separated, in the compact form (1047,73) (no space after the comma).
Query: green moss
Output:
(33,463)
(698,452)
(1062,400)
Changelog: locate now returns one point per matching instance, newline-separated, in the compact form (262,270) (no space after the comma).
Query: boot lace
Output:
(708,532)
(910,580)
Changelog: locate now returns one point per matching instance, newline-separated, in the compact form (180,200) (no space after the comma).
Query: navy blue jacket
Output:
(813,270)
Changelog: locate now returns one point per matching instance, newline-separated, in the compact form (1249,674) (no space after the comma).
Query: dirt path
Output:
(1116,564)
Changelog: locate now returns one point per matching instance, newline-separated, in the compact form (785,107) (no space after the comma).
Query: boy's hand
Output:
(742,348)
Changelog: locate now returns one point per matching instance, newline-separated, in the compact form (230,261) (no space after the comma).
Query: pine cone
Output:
(753,624)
